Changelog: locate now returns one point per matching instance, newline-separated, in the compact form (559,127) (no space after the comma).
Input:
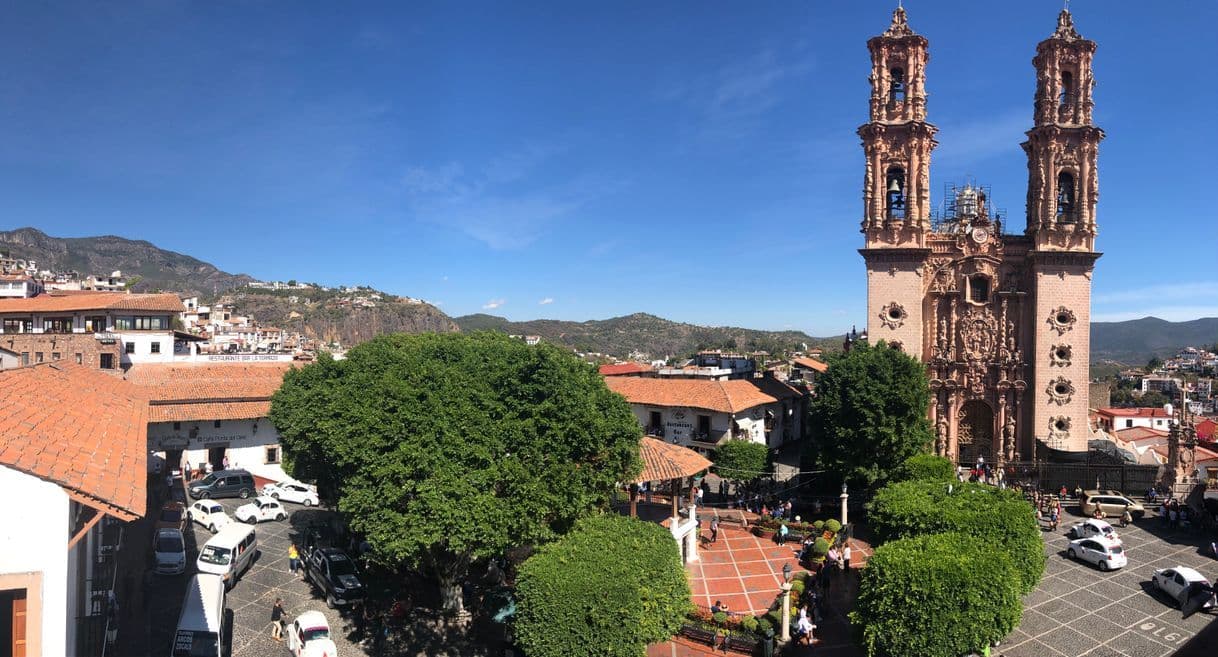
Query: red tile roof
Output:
(1133,412)
(58,301)
(196,411)
(724,396)
(812,364)
(663,461)
(208,381)
(620,369)
(1201,453)
(83,429)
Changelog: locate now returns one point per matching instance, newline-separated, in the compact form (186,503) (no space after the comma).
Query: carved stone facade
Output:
(1002,320)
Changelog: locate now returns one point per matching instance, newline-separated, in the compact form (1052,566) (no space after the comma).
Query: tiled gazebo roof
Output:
(663,461)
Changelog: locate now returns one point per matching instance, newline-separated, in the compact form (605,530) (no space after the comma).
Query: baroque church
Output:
(1000,316)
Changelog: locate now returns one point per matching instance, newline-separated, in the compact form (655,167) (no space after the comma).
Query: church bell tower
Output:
(1063,189)
(897,143)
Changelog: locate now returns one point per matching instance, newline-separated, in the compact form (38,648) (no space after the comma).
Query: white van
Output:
(201,624)
(229,553)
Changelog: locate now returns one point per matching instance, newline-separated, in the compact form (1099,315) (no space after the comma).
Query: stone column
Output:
(786,608)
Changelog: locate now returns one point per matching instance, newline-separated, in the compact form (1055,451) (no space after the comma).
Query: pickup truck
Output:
(334,574)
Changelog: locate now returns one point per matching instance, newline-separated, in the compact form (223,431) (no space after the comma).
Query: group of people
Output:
(1048,508)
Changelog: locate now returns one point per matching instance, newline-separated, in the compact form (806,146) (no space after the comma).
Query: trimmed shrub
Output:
(955,585)
(749,624)
(612,585)
(797,589)
(926,467)
(833,525)
(764,625)
(821,547)
(819,525)
(1001,517)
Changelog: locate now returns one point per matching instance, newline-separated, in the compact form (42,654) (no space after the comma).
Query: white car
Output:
(169,550)
(208,513)
(1092,528)
(292,491)
(309,636)
(1108,555)
(262,508)
(1179,583)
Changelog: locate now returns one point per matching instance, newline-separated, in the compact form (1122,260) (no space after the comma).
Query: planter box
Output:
(745,644)
(696,633)
(762,532)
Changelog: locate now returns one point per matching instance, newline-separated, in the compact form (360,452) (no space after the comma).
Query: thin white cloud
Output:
(494,205)
(1158,293)
(546,301)
(733,99)
(971,142)
(493,304)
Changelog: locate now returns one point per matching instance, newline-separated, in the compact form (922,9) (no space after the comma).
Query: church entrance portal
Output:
(975,433)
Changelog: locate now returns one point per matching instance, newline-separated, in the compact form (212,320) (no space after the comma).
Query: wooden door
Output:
(19,640)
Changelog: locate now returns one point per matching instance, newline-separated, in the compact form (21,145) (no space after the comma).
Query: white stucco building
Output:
(703,414)
(68,493)
(205,412)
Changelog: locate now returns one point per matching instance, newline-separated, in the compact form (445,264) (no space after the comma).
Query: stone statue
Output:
(941,436)
(1008,438)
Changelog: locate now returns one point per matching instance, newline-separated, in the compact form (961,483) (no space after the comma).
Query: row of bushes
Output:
(954,557)
(805,528)
(759,627)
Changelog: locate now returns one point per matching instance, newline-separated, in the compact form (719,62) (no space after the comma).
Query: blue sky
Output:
(582,160)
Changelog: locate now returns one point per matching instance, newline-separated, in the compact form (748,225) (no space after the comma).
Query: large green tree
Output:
(608,588)
(741,460)
(869,414)
(448,448)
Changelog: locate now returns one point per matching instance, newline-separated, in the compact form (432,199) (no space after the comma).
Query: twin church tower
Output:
(1001,316)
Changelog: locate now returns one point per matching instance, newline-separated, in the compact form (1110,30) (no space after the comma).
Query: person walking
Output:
(782,534)
(225,462)
(846,558)
(293,559)
(714,529)
(277,620)
(1126,517)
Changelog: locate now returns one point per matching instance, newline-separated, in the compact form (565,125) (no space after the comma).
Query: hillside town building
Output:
(1000,315)
(100,330)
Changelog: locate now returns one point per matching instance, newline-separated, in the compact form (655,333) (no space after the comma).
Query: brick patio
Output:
(745,572)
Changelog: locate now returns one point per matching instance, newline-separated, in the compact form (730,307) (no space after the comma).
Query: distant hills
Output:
(1132,342)
(156,268)
(655,336)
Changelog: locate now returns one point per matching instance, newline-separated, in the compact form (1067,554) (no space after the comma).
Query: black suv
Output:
(332,571)
(223,483)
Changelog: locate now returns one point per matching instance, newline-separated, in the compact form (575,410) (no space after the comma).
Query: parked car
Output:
(1093,528)
(1113,505)
(223,483)
(261,509)
(1181,583)
(208,513)
(1104,553)
(292,491)
(332,571)
(309,636)
(169,552)
(171,516)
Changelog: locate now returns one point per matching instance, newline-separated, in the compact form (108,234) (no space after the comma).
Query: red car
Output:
(171,516)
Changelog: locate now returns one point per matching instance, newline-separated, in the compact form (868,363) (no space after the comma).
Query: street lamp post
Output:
(845,497)
(786,602)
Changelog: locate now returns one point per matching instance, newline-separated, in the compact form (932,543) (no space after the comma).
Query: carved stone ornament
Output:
(1059,355)
(1062,320)
(893,315)
(1059,427)
(978,331)
(1060,391)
